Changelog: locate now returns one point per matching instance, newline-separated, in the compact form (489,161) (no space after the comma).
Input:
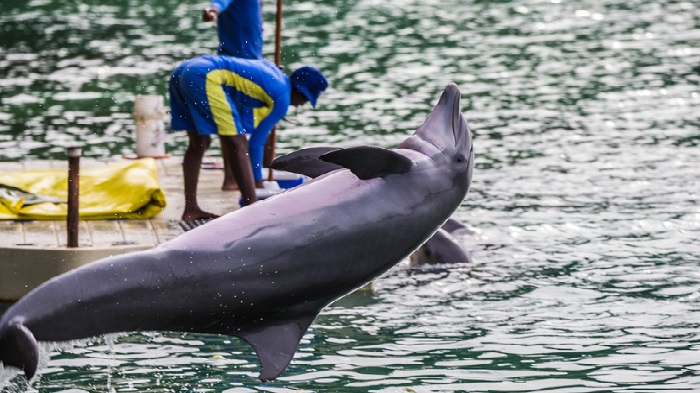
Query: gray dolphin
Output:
(263,272)
(441,248)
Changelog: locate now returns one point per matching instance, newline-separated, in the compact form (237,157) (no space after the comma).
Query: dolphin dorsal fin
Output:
(305,162)
(275,344)
(368,162)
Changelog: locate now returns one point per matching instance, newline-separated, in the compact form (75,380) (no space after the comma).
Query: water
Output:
(586,124)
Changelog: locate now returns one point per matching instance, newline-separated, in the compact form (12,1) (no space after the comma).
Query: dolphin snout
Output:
(445,127)
(450,95)
(450,99)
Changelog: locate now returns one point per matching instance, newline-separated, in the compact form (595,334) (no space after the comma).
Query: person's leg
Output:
(246,120)
(229,180)
(239,163)
(198,144)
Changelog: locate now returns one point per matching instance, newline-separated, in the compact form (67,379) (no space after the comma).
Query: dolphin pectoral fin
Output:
(305,162)
(368,162)
(18,349)
(275,344)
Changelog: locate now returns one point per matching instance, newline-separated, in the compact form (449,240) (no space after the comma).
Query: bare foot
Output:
(197,215)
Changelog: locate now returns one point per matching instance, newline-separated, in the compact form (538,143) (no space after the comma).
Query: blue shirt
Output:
(240,28)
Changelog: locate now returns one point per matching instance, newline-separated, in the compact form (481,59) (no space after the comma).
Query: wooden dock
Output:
(34,251)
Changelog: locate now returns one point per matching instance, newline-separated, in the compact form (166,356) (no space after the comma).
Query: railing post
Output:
(73,215)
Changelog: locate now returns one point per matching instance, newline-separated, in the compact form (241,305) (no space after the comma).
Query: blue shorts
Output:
(194,109)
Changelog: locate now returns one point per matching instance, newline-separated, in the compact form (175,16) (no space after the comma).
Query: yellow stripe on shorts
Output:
(219,104)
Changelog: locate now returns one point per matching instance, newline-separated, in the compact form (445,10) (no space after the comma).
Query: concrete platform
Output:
(32,252)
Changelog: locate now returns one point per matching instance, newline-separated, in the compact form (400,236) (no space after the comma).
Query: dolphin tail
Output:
(19,349)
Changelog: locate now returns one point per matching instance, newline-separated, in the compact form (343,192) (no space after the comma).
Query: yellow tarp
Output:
(124,190)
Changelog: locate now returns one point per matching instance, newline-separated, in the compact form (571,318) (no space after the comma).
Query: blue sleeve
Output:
(220,4)
(260,134)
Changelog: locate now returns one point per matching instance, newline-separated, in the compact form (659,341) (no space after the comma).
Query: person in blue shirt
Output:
(240,33)
(207,95)
(240,27)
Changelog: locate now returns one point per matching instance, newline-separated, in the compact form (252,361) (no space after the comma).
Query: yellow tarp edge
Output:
(123,190)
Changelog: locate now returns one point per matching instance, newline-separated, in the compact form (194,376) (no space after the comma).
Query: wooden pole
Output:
(278,34)
(270,144)
(73,215)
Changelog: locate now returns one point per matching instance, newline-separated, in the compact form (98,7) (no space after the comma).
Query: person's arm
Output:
(211,13)
(259,136)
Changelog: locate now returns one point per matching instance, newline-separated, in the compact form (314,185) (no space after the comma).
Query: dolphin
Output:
(264,272)
(443,248)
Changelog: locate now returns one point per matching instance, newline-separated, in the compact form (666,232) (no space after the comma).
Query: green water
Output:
(585,199)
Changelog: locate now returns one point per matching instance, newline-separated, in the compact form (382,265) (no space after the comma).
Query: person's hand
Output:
(210,14)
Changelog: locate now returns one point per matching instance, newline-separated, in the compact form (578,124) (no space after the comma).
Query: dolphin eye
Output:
(461,158)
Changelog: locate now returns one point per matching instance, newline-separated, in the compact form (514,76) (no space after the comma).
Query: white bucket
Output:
(149,114)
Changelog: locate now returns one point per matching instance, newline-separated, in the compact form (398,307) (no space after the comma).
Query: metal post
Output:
(73,216)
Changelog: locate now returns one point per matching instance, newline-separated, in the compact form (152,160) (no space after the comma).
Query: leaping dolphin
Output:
(264,272)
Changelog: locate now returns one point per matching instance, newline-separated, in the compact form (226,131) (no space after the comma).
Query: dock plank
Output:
(12,167)
(37,165)
(40,233)
(57,164)
(138,232)
(105,232)
(166,229)
(170,167)
(11,232)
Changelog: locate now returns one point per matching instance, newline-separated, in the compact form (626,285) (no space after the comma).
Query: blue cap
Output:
(310,82)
